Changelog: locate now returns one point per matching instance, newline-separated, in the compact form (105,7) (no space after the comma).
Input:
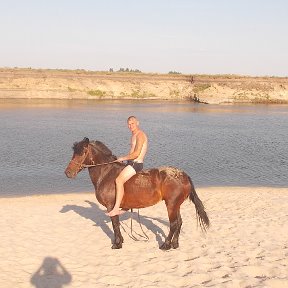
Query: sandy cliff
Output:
(80,84)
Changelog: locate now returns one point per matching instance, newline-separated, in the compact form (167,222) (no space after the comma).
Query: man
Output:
(135,159)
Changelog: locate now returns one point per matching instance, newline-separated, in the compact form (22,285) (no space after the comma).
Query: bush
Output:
(97,93)
(201,87)
(127,70)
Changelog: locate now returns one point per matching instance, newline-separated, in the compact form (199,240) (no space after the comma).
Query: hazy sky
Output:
(247,37)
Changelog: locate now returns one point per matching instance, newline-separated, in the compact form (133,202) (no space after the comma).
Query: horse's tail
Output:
(201,215)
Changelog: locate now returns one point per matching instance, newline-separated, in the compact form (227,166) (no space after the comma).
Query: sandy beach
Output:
(65,241)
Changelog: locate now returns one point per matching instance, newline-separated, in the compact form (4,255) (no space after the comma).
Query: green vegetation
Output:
(201,87)
(137,94)
(174,93)
(141,94)
(98,93)
(127,70)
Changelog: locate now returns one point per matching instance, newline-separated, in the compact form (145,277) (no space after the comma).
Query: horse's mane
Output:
(98,145)
(78,147)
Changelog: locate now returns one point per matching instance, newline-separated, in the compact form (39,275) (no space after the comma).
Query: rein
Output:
(145,236)
(98,164)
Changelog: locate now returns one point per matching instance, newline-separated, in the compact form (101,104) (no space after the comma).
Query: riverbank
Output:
(80,84)
(59,240)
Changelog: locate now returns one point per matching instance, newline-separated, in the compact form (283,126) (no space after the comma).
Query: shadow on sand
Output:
(51,274)
(95,214)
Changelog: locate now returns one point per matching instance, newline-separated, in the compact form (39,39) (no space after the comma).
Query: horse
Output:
(144,189)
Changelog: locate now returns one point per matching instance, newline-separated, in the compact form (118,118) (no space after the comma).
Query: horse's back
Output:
(176,184)
(143,189)
(148,187)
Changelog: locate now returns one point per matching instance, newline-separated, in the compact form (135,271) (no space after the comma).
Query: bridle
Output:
(83,166)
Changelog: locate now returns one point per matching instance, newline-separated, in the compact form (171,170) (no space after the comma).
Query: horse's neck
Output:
(99,172)
(98,158)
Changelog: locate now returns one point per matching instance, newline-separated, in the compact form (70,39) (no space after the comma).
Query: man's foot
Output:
(115,212)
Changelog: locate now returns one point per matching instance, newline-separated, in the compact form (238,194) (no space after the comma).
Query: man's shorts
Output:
(137,166)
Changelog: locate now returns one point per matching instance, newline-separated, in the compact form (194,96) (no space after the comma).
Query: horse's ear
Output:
(86,140)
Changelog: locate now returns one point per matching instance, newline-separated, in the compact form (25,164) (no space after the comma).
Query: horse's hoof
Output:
(165,246)
(175,245)
(117,246)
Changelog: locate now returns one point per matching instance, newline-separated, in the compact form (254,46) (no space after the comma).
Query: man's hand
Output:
(120,159)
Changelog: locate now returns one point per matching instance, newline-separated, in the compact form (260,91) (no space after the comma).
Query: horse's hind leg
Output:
(175,239)
(118,239)
(175,227)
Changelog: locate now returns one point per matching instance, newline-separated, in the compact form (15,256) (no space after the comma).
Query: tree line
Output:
(127,70)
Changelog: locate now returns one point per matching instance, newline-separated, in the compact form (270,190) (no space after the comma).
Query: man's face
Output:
(132,124)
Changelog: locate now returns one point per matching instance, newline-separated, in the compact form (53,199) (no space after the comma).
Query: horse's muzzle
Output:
(69,173)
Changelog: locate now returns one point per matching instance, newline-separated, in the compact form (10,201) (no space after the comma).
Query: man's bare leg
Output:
(124,176)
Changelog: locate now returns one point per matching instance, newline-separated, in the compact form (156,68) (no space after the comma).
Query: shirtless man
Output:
(135,159)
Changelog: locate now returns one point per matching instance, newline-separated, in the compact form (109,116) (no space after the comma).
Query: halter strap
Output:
(82,166)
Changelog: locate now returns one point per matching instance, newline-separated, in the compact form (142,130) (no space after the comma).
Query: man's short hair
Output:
(132,117)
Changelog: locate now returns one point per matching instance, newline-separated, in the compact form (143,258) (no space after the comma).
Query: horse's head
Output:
(79,158)
(87,154)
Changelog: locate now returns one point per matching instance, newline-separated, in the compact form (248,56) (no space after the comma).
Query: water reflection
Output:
(148,105)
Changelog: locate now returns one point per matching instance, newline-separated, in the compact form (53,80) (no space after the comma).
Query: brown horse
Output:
(144,189)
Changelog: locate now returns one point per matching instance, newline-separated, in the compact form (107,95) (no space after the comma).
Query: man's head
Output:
(133,123)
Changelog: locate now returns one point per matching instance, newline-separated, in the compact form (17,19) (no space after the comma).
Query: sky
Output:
(247,37)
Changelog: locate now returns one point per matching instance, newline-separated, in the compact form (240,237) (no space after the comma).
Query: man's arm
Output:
(140,139)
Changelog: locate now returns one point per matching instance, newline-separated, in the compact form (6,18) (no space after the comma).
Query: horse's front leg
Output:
(118,239)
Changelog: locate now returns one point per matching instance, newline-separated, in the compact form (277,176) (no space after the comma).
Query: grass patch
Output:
(201,87)
(174,93)
(137,94)
(97,93)
(141,94)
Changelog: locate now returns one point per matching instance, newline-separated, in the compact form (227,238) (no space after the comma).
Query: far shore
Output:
(20,83)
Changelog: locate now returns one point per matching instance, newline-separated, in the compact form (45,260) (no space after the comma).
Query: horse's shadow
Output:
(95,214)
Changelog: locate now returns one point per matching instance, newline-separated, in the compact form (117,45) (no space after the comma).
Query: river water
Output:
(232,145)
